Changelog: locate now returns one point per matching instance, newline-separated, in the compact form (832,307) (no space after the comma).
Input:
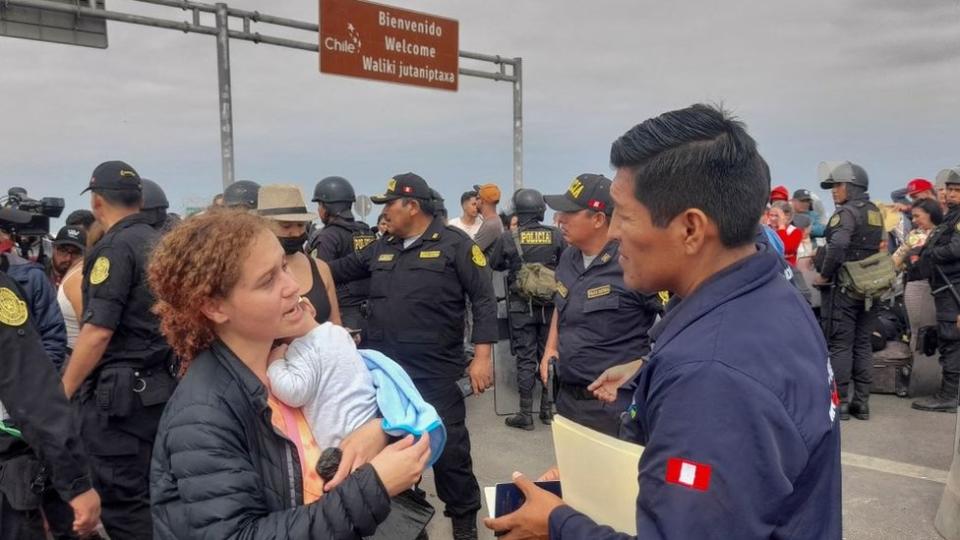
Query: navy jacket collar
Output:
(732,282)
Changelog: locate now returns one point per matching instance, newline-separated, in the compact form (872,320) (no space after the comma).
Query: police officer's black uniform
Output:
(601,322)
(41,457)
(529,318)
(415,316)
(854,233)
(121,401)
(940,259)
(341,236)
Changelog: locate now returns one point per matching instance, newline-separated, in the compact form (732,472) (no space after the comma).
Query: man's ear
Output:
(213,309)
(693,227)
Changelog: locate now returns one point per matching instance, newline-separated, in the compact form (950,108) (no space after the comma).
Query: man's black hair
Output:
(81,218)
(125,198)
(698,157)
(932,207)
(467,195)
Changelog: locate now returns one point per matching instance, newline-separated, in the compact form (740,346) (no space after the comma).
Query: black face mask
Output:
(293,244)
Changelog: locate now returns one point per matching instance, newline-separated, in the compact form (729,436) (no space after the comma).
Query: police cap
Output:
(586,192)
(406,185)
(114,176)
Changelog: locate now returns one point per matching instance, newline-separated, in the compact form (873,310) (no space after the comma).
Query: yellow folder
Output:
(598,474)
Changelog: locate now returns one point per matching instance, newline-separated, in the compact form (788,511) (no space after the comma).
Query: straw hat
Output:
(283,202)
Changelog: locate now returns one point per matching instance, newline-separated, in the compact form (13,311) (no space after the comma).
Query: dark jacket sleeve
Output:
(747,452)
(839,242)
(477,281)
(354,266)
(30,391)
(948,252)
(44,310)
(327,245)
(221,494)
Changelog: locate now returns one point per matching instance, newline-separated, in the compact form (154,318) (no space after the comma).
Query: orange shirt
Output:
(293,424)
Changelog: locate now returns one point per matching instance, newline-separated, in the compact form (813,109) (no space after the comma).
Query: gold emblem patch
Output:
(391,185)
(835,220)
(360,242)
(429,254)
(100,271)
(562,289)
(477,255)
(958,227)
(385,257)
(13,310)
(664,297)
(576,188)
(605,258)
(874,219)
(597,292)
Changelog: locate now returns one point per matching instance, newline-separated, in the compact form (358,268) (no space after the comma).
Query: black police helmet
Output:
(153,195)
(529,201)
(241,193)
(334,189)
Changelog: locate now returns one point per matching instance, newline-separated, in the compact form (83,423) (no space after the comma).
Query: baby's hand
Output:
(277,353)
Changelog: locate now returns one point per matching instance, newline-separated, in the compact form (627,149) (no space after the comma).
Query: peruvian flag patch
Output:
(688,474)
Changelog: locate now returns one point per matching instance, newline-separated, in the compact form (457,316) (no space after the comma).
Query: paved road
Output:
(893,473)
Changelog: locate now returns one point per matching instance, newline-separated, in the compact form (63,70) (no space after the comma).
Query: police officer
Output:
(241,194)
(941,260)
(598,322)
(341,235)
(533,243)
(733,407)
(853,233)
(120,367)
(420,274)
(38,437)
(155,207)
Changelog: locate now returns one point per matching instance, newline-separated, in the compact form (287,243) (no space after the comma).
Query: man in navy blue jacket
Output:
(736,405)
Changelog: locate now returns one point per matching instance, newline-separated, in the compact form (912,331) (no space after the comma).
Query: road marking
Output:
(894,467)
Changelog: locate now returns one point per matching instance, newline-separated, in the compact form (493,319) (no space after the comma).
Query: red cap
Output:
(918,185)
(779,193)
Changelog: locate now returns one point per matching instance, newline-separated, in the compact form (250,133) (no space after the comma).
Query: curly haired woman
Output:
(222,467)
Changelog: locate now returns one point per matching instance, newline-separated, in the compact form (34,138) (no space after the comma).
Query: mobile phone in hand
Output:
(466,387)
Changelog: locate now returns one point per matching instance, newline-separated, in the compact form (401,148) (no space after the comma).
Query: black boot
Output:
(524,418)
(546,408)
(860,404)
(844,410)
(943,401)
(860,409)
(465,527)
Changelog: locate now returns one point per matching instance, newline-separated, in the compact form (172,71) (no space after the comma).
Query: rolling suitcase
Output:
(891,369)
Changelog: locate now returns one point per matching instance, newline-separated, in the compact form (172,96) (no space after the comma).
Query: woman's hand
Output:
(358,448)
(401,464)
(551,475)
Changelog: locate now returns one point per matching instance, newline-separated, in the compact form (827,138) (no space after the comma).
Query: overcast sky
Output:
(874,81)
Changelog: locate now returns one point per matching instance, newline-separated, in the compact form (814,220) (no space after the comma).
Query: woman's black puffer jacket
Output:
(220,470)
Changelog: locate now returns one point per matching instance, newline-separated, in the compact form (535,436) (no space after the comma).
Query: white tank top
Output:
(69,316)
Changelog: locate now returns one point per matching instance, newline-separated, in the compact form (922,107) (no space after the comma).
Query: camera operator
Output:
(41,297)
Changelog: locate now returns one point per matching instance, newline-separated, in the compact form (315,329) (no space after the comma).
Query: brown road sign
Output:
(385,43)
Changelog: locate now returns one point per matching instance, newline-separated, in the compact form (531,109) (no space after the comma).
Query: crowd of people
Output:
(243,372)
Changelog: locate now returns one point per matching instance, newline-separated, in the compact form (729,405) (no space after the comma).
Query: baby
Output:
(340,388)
(323,373)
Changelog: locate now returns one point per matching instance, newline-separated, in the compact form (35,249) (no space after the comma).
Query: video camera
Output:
(40,212)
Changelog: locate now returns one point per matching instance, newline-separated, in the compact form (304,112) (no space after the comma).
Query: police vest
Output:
(360,236)
(867,234)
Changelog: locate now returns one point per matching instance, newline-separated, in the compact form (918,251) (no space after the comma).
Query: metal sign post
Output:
(80,10)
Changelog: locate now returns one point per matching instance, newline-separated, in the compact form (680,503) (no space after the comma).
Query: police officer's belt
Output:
(577,392)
